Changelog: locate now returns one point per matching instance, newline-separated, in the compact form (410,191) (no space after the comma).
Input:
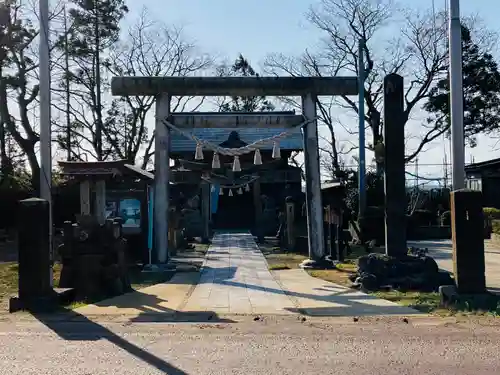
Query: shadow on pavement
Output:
(73,326)
(87,330)
(343,301)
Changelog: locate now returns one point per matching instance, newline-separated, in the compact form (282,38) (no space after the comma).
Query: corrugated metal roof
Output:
(293,141)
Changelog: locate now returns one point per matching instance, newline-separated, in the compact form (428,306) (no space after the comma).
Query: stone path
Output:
(235,279)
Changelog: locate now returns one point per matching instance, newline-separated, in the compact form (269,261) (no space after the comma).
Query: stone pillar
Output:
(290,223)
(468,243)
(35,290)
(162,161)
(394,168)
(205,211)
(100,201)
(85,197)
(258,211)
(313,185)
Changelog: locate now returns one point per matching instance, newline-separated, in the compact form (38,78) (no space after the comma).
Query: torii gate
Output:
(308,88)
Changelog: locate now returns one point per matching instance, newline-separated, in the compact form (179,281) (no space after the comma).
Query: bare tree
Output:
(154,49)
(419,53)
(147,48)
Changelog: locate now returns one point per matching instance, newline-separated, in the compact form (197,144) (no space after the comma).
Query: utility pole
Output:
(456,97)
(361,115)
(68,96)
(45,120)
(97,74)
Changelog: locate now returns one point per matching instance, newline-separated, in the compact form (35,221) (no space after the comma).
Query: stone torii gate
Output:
(308,88)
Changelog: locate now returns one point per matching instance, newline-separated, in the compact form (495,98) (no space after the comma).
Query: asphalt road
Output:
(442,252)
(268,346)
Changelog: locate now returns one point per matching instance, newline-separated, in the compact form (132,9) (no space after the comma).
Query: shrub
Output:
(495,226)
(491,213)
(423,218)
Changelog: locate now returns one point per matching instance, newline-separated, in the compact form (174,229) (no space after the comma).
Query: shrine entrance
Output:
(243,162)
(235,212)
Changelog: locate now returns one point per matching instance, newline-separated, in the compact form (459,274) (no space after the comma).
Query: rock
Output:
(369,282)
(448,294)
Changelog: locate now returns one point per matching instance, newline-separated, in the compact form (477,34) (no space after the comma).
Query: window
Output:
(474,183)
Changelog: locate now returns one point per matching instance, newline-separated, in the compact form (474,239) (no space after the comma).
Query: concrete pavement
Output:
(441,251)
(234,280)
(278,346)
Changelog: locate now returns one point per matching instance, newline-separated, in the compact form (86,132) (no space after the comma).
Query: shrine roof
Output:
(103,168)
(293,142)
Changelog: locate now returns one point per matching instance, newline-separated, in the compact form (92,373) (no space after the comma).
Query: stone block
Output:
(468,243)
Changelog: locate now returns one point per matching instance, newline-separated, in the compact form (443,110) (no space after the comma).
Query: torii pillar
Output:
(162,180)
(314,205)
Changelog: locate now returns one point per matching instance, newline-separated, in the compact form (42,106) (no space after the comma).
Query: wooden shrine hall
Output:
(252,194)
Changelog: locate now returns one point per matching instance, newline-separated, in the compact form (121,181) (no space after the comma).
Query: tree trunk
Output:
(376,127)
(29,149)
(4,160)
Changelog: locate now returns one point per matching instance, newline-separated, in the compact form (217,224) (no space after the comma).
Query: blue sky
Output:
(256,28)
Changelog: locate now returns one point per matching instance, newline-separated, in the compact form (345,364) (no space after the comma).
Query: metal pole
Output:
(361,115)
(45,133)
(456,98)
(68,92)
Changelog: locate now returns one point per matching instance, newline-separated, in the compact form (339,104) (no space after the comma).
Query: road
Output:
(441,251)
(280,345)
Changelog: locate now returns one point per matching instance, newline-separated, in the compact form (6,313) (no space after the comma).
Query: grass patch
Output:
(279,259)
(426,302)
(9,280)
(278,267)
(340,275)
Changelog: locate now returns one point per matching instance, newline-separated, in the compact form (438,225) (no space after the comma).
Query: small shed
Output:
(485,176)
(115,189)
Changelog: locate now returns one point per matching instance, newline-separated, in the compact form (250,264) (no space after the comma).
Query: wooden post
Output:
(468,243)
(85,197)
(162,145)
(205,211)
(100,201)
(313,185)
(394,168)
(258,211)
(290,224)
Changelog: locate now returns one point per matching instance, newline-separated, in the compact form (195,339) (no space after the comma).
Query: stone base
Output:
(158,273)
(313,264)
(450,296)
(46,304)
(35,305)
(155,268)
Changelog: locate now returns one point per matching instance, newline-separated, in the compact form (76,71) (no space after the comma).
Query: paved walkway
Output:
(441,251)
(234,280)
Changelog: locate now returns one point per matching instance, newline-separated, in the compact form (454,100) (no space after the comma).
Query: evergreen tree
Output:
(481,86)
(95,27)
(242,68)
